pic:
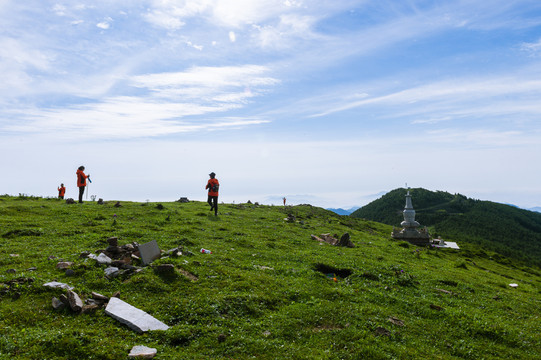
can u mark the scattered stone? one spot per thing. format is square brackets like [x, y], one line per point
[57, 285]
[84, 255]
[396, 321]
[266, 333]
[70, 272]
[98, 296]
[14, 255]
[103, 259]
[381, 331]
[497, 297]
[263, 267]
[112, 272]
[75, 302]
[149, 252]
[183, 200]
[345, 241]
[98, 303]
[514, 285]
[11, 271]
[89, 308]
[436, 307]
[113, 241]
[221, 338]
[100, 201]
[188, 275]
[135, 319]
[64, 299]
[57, 304]
[51, 257]
[445, 291]
[118, 204]
[70, 201]
[64, 265]
[290, 218]
[33, 268]
[165, 269]
[142, 352]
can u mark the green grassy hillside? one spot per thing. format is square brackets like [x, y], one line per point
[268, 290]
[510, 231]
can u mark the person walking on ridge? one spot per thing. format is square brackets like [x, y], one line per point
[61, 191]
[213, 185]
[81, 182]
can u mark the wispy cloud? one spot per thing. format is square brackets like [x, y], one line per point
[167, 105]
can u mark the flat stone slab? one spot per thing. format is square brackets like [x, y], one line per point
[448, 244]
[149, 252]
[135, 319]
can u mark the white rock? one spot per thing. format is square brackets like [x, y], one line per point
[142, 352]
[58, 285]
[103, 259]
[134, 318]
[111, 272]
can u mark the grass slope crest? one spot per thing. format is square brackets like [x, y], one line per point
[268, 290]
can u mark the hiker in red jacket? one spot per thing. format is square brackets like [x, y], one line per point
[81, 181]
[213, 185]
[61, 191]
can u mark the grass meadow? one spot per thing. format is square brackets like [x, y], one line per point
[267, 291]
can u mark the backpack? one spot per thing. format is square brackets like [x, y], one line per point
[215, 187]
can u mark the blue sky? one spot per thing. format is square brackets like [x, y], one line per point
[331, 103]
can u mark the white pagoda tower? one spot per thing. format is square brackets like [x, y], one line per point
[409, 230]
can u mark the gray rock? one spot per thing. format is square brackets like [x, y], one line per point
[64, 265]
[76, 304]
[346, 241]
[57, 285]
[142, 352]
[103, 259]
[57, 304]
[97, 296]
[135, 319]
[149, 252]
[70, 272]
[165, 269]
[112, 272]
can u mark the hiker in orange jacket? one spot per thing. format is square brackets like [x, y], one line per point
[213, 185]
[81, 182]
[61, 191]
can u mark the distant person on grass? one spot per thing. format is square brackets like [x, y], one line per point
[61, 191]
[213, 185]
[81, 182]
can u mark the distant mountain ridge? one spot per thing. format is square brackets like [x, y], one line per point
[341, 211]
[506, 229]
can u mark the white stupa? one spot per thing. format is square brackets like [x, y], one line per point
[409, 230]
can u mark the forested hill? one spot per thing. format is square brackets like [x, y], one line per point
[508, 230]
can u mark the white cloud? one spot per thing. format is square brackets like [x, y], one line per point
[166, 106]
[105, 24]
[533, 49]
[232, 36]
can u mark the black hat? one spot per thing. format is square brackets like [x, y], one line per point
[212, 174]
